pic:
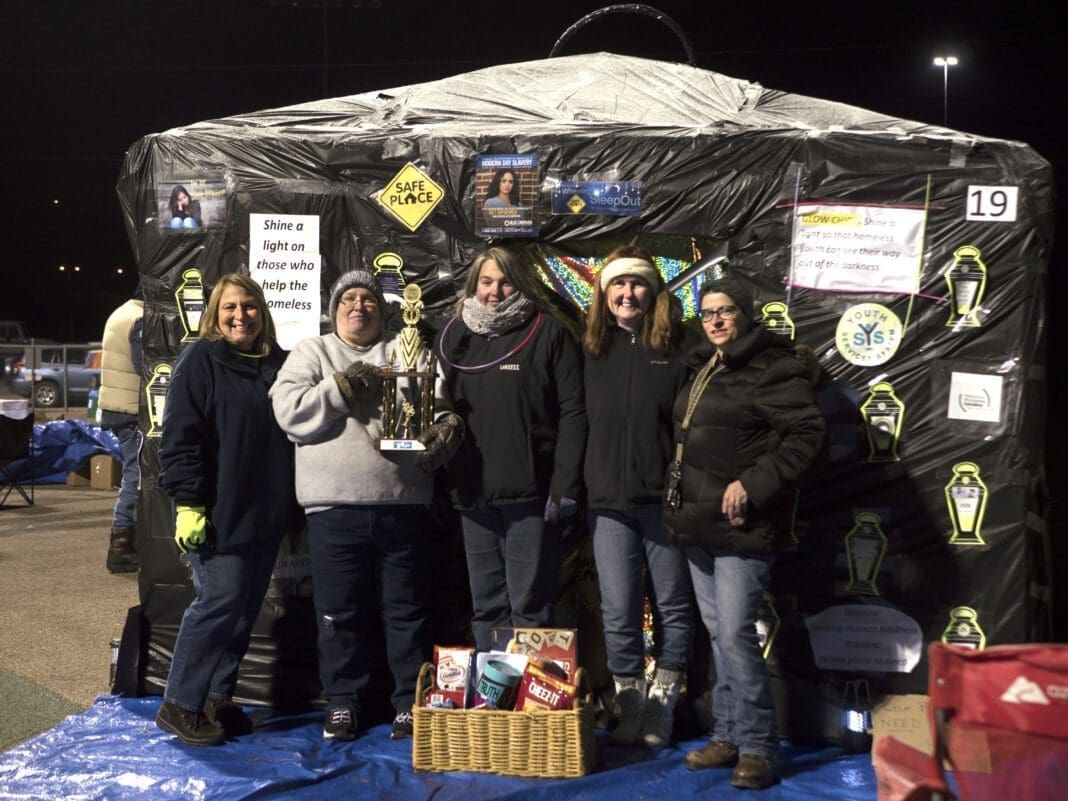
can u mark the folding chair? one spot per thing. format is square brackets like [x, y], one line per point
[16, 440]
[999, 719]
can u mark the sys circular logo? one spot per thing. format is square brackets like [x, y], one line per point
[868, 334]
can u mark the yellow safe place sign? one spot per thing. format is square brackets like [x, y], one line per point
[411, 196]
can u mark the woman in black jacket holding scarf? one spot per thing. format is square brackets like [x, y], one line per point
[747, 425]
[514, 373]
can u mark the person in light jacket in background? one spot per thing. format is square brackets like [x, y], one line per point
[633, 374]
[365, 506]
[229, 469]
[120, 398]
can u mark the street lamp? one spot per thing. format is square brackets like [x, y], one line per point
[945, 62]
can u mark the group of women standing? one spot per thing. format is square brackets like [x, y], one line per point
[525, 428]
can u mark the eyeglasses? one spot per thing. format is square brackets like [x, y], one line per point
[349, 302]
[724, 312]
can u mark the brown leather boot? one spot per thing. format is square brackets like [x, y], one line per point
[714, 755]
[754, 773]
[122, 557]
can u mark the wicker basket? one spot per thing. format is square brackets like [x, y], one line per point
[540, 743]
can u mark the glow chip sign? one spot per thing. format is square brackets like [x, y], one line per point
[411, 196]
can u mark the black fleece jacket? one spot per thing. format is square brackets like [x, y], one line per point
[630, 393]
[525, 414]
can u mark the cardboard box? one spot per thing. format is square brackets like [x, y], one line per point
[104, 472]
[905, 717]
[79, 477]
[557, 645]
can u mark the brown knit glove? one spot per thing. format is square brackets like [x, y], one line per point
[358, 379]
[442, 440]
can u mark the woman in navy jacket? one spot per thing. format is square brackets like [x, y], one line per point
[229, 469]
[633, 373]
[514, 373]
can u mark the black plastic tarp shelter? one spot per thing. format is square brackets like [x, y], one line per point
[913, 259]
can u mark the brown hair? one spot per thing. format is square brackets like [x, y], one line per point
[658, 328]
[522, 279]
[209, 320]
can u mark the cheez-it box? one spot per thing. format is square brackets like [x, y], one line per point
[556, 645]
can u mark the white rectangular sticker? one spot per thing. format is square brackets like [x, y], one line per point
[283, 256]
[992, 203]
[975, 396]
[840, 248]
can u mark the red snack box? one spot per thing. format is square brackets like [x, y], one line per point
[558, 645]
[539, 690]
[452, 675]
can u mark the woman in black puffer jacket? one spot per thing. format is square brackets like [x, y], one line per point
[748, 426]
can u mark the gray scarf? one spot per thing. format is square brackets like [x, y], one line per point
[490, 322]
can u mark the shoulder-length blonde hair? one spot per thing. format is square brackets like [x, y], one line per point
[209, 321]
[658, 328]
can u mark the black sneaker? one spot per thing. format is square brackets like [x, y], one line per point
[340, 724]
[402, 726]
[191, 728]
[229, 715]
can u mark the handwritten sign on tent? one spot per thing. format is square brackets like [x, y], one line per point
[411, 196]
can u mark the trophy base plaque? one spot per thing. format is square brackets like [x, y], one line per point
[401, 445]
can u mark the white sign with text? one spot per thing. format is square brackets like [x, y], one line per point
[843, 248]
[864, 637]
[283, 256]
[975, 396]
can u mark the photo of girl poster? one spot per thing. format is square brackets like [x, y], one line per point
[506, 194]
[191, 205]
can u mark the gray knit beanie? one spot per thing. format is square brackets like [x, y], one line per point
[351, 279]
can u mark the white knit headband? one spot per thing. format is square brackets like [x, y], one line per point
[629, 266]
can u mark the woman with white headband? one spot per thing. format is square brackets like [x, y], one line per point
[633, 374]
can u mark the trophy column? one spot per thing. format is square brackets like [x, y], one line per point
[407, 410]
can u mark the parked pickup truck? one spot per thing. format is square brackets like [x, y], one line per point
[14, 342]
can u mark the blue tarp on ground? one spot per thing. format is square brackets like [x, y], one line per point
[61, 447]
[114, 751]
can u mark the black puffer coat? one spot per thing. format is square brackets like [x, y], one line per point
[757, 422]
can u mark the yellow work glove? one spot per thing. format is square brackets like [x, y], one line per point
[190, 527]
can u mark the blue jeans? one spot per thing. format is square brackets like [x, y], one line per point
[354, 551]
[124, 427]
[622, 542]
[729, 590]
[217, 625]
[513, 564]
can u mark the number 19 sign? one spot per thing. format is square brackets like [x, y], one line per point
[992, 203]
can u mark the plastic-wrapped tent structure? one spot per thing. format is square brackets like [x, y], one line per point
[913, 260]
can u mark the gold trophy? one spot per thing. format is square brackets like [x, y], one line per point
[400, 432]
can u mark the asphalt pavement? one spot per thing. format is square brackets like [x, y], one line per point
[59, 606]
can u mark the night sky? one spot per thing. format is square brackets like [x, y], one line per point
[82, 81]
